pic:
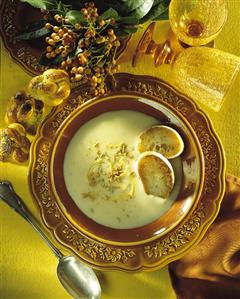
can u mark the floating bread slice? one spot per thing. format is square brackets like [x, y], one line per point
[156, 174]
[162, 139]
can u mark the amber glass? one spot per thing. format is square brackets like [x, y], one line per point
[197, 22]
[205, 74]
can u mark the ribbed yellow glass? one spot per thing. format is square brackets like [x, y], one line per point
[206, 74]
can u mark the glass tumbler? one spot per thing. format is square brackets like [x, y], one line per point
[205, 74]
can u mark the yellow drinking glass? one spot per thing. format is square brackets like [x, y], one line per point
[205, 74]
[197, 22]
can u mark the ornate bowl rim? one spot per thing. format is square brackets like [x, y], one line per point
[156, 253]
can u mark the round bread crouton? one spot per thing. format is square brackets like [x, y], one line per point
[156, 174]
[161, 139]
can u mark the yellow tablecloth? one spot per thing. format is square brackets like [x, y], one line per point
[27, 267]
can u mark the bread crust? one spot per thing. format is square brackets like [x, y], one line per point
[156, 174]
[161, 139]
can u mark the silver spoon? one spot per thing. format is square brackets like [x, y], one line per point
[79, 280]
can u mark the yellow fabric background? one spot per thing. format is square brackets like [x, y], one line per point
[27, 267]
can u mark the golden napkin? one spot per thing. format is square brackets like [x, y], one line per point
[212, 269]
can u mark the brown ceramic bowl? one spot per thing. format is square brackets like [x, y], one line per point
[192, 167]
[157, 243]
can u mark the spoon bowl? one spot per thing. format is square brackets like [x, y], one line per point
[75, 277]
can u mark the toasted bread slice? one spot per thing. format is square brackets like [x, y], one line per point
[162, 139]
[156, 174]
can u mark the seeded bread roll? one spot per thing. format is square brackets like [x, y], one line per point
[52, 87]
[162, 139]
[156, 174]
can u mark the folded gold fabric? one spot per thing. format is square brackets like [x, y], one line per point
[212, 269]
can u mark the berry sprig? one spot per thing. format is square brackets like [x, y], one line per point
[86, 49]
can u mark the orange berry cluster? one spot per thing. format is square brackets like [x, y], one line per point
[86, 50]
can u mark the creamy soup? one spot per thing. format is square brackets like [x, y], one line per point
[100, 171]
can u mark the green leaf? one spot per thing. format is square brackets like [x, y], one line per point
[75, 4]
[43, 60]
[163, 16]
[74, 53]
[57, 60]
[142, 10]
[97, 49]
[78, 50]
[63, 7]
[128, 20]
[130, 5]
[120, 33]
[71, 55]
[130, 30]
[33, 26]
[60, 9]
[42, 4]
[75, 16]
[156, 11]
[109, 14]
[50, 61]
[54, 12]
[104, 5]
[33, 34]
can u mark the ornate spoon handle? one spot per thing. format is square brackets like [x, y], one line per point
[9, 196]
